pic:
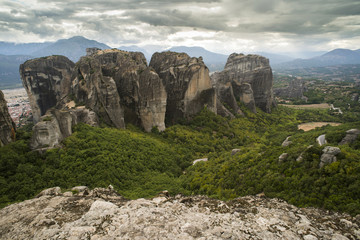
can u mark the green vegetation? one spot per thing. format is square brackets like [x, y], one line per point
[142, 164]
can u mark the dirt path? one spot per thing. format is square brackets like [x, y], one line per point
[312, 125]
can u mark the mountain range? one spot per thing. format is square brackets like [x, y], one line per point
[12, 55]
[335, 57]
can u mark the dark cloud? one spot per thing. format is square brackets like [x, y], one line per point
[134, 21]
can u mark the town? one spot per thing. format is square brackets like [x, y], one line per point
[19, 106]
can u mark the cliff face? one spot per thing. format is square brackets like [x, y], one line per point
[248, 78]
[187, 84]
[103, 214]
[7, 126]
[295, 90]
[47, 81]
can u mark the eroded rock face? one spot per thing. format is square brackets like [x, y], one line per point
[351, 136]
[7, 126]
[56, 125]
[187, 84]
[121, 88]
[252, 70]
[295, 90]
[46, 80]
[329, 155]
[103, 214]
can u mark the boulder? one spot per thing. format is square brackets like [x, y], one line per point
[283, 157]
[56, 125]
[47, 81]
[7, 126]
[200, 160]
[252, 70]
[286, 142]
[329, 155]
[187, 84]
[351, 136]
[235, 151]
[321, 140]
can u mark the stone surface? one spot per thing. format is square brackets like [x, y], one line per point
[200, 160]
[286, 142]
[46, 80]
[7, 126]
[187, 83]
[329, 155]
[235, 151]
[351, 136]
[56, 125]
[252, 70]
[103, 214]
[321, 140]
[295, 90]
[283, 157]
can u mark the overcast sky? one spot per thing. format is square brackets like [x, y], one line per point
[218, 25]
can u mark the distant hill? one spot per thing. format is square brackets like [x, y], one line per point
[73, 48]
[9, 70]
[275, 58]
[15, 54]
[10, 48]
[332, 58]
[214, 61]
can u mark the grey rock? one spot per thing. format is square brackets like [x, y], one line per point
[247, 69]
[351, 136]
[286, 142]
[91, 51]
[47, 82]
[295, 90]
[321, 140]
[55, 191]
[199, 160]
[7, 126]
[80, 189]
[329, 155]
[283, 157]
[187, 84]
[235, 151]
[57, 125]
[103, 214]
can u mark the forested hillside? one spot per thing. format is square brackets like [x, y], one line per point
[140, 164]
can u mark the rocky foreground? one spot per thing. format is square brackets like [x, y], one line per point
[103, 214]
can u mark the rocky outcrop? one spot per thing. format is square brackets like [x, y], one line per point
[286, 142]
[187, 83]
[247, 78]
[295, 90]
[103, 214]
[56, 125]
[46, 80]
[329, 155]
[283, 157]
[7, 126]
[351, 136]
[321, 140]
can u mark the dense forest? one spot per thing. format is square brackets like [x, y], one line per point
[140, 164]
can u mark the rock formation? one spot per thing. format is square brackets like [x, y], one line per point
[246, 78]
[56, 125]
[329, 155]
[295, 90]
[187, 84]
[7, 126]
[46, 80]
[117, 87]
[103, 214]
[351, 136]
